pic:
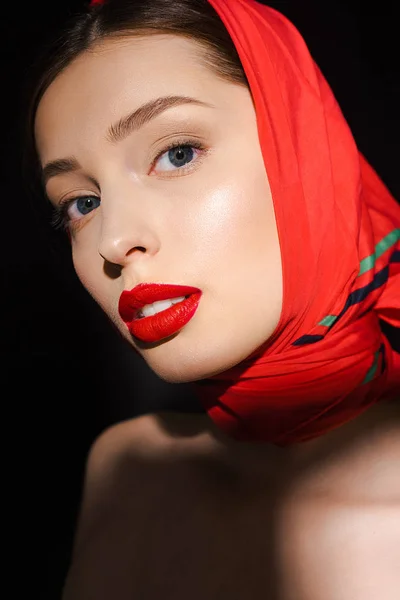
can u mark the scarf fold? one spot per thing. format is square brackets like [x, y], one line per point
[339, 232]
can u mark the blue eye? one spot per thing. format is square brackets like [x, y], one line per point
[73, 209]
[181, 155]
[85, 204]
[178, 156]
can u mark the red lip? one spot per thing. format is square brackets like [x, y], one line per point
[165, 323]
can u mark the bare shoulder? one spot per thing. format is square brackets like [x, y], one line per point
[128, 453]
[154, 434]
[148, 453]
[161, 508]
[341, 552]
[339, 535]
[170, 485]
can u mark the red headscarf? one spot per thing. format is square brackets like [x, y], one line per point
[339, 231]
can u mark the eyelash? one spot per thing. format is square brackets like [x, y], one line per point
[60, 217]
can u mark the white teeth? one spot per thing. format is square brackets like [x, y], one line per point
[152, 309]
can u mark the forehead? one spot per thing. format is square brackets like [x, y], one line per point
[105, 81]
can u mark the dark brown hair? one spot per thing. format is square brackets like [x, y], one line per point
[193, 19]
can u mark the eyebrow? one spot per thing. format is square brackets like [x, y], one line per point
[145, 113]
[58, 167]
[122, 129]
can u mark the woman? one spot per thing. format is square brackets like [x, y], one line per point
[221, 215]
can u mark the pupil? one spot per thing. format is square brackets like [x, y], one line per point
[85, 205]
[180, 155]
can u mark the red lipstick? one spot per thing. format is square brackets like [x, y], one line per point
[166, 322]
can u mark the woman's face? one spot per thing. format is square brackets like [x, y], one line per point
[177, 194]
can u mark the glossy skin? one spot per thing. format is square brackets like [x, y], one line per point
[209, 224]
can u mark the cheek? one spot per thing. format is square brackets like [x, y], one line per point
[233, 219]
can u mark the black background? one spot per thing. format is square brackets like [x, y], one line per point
[67, 376]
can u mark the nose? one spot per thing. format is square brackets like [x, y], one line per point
[126, 232]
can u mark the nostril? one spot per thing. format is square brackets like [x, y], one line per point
[112, 270]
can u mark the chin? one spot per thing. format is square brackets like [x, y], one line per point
[178, 378]
[180, 374]
[189, 369]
